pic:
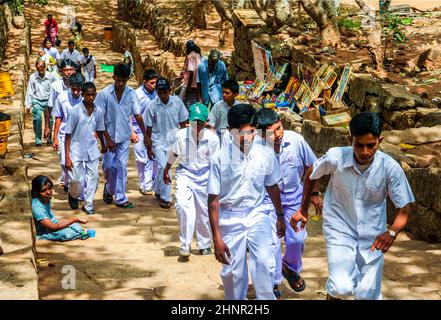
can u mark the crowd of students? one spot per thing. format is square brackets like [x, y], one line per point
[243, 182]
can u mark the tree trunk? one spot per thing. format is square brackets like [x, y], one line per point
[375, 48]
[223, 34]
[330, 36]
[198, 15]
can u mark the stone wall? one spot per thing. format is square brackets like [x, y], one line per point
[5, 25]
[145, 54]
[18, 267]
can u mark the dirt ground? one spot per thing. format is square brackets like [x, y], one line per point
[135, 252]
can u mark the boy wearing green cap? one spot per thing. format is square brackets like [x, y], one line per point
[193, 147]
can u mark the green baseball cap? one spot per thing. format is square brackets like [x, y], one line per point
[198, 111]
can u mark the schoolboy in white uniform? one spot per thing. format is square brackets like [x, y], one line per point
[119, 103]
[67, 68]
[354, 211]
[81, 147]
[88, 63]
[65, 102]
[218, 115]
[240, 176]
[194, 147]
[163, 116]
[146, 167]
[294, 156]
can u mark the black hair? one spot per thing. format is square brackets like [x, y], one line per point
[150, 74]
[68, 63]
[76, 80]
[38, 183]
[266, 117]
[194, 48]
[122, 46]
[70, 42]
[232, 85]
[85, 50]
[241, 114]
[366, 122]
[88, 85]
[122, 70]
[79, 26]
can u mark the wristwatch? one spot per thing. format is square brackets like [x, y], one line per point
[315, 193]
[392, 233]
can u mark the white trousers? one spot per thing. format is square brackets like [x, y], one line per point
[159, 186]
[115, 171]
[89, 77]
[252, 230]
[84, 180]
[350, 275]
[191, 208]
[61, 157]
[147, 168]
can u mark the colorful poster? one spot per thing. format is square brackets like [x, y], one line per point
[259, 61]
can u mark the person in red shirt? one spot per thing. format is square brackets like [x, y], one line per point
[51, 29]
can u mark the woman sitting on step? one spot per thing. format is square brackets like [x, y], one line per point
[47, 226]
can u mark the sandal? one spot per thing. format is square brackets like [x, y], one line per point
[293, 278]
[125, 205]
[164, 204]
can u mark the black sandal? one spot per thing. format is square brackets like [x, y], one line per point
[293, 277]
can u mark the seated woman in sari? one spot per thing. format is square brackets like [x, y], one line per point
[47, 226]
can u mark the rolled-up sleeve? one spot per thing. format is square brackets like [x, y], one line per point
[323, 166]
[399, 188]
[136, 108]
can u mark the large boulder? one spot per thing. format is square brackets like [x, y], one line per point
[413, 136]
[396, 97]
[429, 117]
[430, 59]
[322, 138]
[362, 85]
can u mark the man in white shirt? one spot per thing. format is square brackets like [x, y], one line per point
[354, 211]
[64, 103]
[81, 147]
[128, 59]
[119, 103]
[67, 68]
[89, 66]
[194, 147]
[146, 167]
[241, 173]
[163, 116]
[37, 97]
[218, 115]
[71, 53]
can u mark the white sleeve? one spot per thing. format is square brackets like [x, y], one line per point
[323, 166]
[398, 187]
[214, 178]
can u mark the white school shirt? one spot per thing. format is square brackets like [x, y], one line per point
[53, 52]
[117, 115]
[294, 155]
[194, 157]
[75, 56]
[64, 104]
[38, 87]
[89, 68]
[82, 128]
[57, 87]
[144, 97]
[355, 202]
[241, 180]
[164, 119]
[218, 115]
